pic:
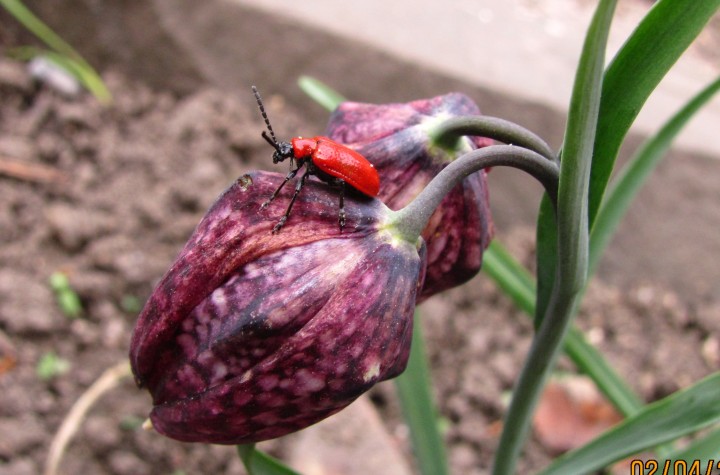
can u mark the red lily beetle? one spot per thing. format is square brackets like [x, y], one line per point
[328, 160]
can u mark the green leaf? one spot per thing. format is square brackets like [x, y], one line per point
[131, 422]
[704, 449]
[546, 236]
[259, 463]
[64, 55]
[632, 177]
[679, 414]
[67, 299]
[651, 50]
[572, 240]
[50, 366]
[415, 393]
[320, 92]
[511, 276]
[38, 28]
[130, 304]
[517, 283]
[84, 73]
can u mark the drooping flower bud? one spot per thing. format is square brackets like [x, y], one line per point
[251, 335]
[398, 139]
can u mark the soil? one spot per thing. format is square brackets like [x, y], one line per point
[126, 187]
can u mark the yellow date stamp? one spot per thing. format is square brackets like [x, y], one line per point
[674, 467]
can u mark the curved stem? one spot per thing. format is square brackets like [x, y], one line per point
[447, 132]
[412, 219]
[571, 251]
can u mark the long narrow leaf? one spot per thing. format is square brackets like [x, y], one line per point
[421, 416]
[511, 276]
[259, 463]
[681, 413]
[518, 284]
[546, 236]
[655, 45]
[572, 239]
[320, 92]
[84, 73]
[63, 54]
[704, 449]
[38, 28]
[631, 178]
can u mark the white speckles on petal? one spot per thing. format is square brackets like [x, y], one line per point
[341, 368]
[357, 349]
[219, 370]
[351, 327]
[372, 372]
[202, 332]
[271, 400]
[307, 382]
[189, 377]
[219, 299]
[246, 376]
[266, 418]
[268, 382]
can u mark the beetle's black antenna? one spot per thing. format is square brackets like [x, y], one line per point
[272, 142]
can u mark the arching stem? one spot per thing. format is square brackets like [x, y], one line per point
[412, 219]
[446, 133]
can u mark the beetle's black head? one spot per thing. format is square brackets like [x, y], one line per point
[283, 150]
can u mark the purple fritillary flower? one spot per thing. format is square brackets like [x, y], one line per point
[396, 138]
[252, 335]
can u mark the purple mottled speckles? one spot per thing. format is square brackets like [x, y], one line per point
[394, 138]
[252, 335]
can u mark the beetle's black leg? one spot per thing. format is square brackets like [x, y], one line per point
[298, 187]
[341, 214]
[289, 177]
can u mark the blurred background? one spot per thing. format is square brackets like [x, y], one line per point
[128, 183]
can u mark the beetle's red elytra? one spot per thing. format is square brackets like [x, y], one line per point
[330, 161]
[339, 161]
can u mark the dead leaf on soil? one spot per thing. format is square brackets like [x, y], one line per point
[572, 412]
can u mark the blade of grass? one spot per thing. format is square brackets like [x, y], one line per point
[518, 284]
[546, 238]
[632, 177]
[681, 413]
[320, 92]
[705, 449]
[642, 62]
[259, 463]
[415, 392]
[84, 73]
[64, 54]
[635, 71]
[38, 28]
[510, 275]
[572, 239]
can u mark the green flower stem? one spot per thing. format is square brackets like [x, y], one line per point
[412, 219]
[449, 131]
[572, 241]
